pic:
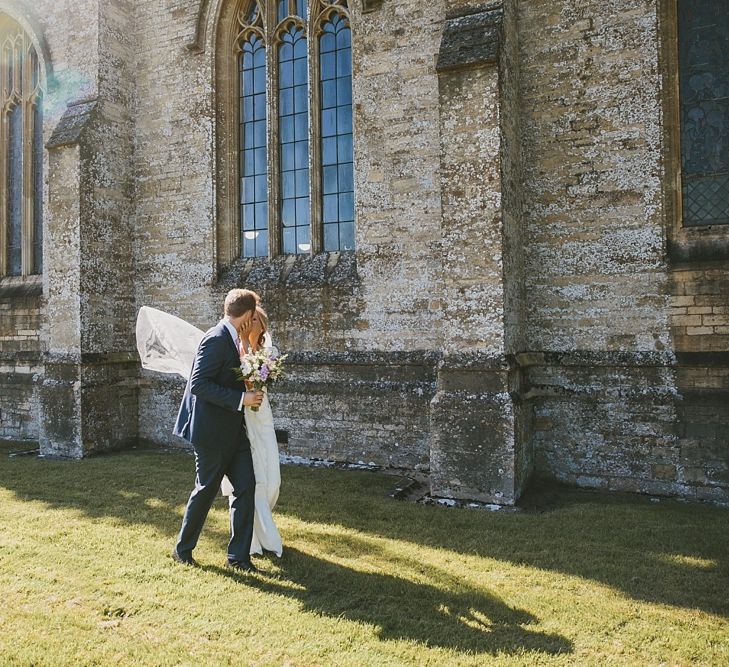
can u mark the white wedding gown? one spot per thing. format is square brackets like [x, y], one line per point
[168, 344]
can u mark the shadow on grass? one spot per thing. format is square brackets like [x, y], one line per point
[670, 553]
[464, 620]
[146, 487]
[152, 488]
[667, 552]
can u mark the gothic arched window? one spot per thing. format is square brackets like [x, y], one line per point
[295, 164]
[21, 153]
[703, 48]
[337, 158]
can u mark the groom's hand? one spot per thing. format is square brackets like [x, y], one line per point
[253, 398]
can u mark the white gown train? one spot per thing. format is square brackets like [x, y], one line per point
[264, 451]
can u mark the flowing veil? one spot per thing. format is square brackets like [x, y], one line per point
[166, 343]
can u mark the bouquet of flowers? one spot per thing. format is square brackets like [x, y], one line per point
[259, 369]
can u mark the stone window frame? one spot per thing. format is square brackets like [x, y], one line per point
[685, 243]
[29, 97]
[230, 33]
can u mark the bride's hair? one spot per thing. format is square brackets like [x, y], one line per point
[263, 317]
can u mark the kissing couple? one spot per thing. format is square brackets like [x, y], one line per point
[228, 423]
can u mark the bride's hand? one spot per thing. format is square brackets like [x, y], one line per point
[244, 330]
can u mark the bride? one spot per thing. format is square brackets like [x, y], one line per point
[168, 344]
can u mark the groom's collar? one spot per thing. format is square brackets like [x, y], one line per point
[231, 329]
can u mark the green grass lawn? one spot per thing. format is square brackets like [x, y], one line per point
[86, 577]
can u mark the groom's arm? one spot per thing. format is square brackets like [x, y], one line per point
[208, 364]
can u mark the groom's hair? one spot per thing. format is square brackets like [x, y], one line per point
[240, 301]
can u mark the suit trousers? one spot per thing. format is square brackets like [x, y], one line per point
[211, 464]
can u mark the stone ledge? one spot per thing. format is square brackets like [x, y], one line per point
[71, 127]
[714, 247]
[91, 358]
[23, 358]
[334, 269]
[363, 358]
[471, 40]
[590, 358]
[12, 287]
[713, 359]
[476, 361]
[710, 396]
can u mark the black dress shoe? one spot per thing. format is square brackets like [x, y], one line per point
[241, 566]
[187, 560]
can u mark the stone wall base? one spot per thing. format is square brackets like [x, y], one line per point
[88, 407]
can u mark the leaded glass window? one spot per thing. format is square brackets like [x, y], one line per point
[21, 153]
[289, 202]
[293, 134]
[337, 156]
[254, 165]
[703, 44]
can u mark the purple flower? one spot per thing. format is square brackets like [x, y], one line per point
[264, 372]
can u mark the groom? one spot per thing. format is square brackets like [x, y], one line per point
[211, 418]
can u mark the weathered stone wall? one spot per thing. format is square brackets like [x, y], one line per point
[476, 446]
[386, 298]
[107, 268]
[87, 387]
[21, 311]
[361, 407]
[69, 70]
[513, 303]
[596, 268]
[596, 276]
[513, 198]
[700, 329]
[700, 306]
[605, 420]
[703, 424]
[609, 314]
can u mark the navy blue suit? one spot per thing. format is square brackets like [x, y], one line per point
[209, 418]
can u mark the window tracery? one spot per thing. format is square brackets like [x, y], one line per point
[21, 154]
[296, 159]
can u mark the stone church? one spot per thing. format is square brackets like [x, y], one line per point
[493, 236]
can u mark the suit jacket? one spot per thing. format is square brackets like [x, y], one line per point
[209, 415]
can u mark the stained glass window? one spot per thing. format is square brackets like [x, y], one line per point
[703, 41]
[254, 162]
[21, 153]
[294, 141]
[337, 161]
[276, 134]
